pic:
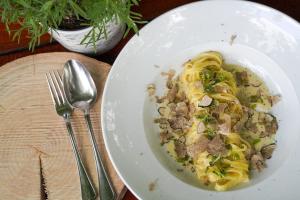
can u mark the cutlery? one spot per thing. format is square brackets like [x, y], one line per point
[64, 109]
[81, 93]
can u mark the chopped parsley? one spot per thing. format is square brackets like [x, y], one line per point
[210, 133]
[253, 106]
[214, 159]
[220, 173]
[256, 99]
[207, 75]
[191, 161]
[183, 160]
[235, 156]
[220, 77]
[255, 141]
[206, 118]
[210, 78]
[209, 88]
[228, 146]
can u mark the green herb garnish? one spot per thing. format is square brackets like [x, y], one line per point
[210, 133]
[220, 77]
[255, 99]
[208, 80]
[235, 156]
[209, 87]
[253, 106]
[191, 161]
[206, 118]
[214, 159]
[220, 173]
[183, 160]
[255, 141]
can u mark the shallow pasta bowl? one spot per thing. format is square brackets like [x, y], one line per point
[248, 34]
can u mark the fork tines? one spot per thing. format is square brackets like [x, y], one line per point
[55, 84]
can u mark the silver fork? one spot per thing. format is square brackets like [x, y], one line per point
[64, 110]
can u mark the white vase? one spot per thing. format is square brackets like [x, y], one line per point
[71, 39]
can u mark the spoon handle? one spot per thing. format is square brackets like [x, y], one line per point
[87, 189]
[107, 191]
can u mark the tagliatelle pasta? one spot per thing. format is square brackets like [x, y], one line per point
[210, 124]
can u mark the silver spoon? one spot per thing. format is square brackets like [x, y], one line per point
[81, 93]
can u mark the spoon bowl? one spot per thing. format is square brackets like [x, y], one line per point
[79, 85]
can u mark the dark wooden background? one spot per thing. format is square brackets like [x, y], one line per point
[10, 50]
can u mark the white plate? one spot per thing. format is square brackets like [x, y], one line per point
[267, 41]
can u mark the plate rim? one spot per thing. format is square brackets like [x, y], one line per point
[124, 49]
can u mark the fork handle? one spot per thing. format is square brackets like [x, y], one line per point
[87, 189]
[107, 191]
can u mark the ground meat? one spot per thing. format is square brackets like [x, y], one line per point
[257, 162]
[172, 93]
[180, 97]
[161, 120]
[169, 84]
[217, 146]
[199, 146]
[180, 148]
[178, 122]
[242, 78]
[151, 89]
[172, 106]
[160, 99]
[270, 124]
[192, 109]
[162, 111]
[219, 109]
[251, 126]
[165, 136]
[181, 109]
[170, 74]
[163, 126]
[239, 126]
[249, 152]
[270, 129]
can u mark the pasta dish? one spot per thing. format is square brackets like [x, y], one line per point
[215, 120]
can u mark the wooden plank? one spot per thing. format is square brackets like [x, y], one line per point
[34, 138]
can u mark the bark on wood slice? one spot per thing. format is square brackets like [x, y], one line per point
[34, 142]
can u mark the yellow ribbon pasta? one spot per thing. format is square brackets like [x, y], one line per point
[204, 75]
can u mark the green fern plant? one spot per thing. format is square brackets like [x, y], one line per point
[41, 16]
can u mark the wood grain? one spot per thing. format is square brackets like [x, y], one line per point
[33, 137]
